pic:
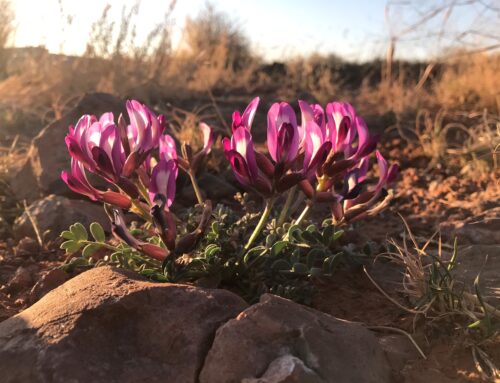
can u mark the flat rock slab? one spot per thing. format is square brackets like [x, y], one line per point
[110, 325]
[281, 339]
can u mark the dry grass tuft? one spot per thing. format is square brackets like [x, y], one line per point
[435, 292]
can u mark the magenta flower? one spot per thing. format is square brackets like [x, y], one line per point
[145, 127]
[143, 135]
[355, 203]
[240, 153]
[77, 181]
[316, 149]
[246, 119]
[340, 119]
[76, 141]
[162, 182]
[387, 174]
[313, 113]
[282, 133]
[208, 137]
[97, 145]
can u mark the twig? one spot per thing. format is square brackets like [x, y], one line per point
[34, 224]
[389, 297]
[14, 144]
[217, 110]
[398, 330]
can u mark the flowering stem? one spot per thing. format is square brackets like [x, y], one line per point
[286, 206]
[196, 188]
[262, 222]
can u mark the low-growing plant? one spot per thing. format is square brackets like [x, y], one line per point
[435, 291]
[468, 141]
[326, 158]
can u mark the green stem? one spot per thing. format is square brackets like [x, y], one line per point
[303, 214]
[102, 244]
[196, 188]
[286, 206]
[262, 222]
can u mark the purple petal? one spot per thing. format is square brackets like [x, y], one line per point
[163, 181]
[242, 143]
[363, 168]
[139, 122]
[382, 168]
[167, 149]
[363, 133]
[392, 173]
[107, 119]
[208, 137]
[369, 146]
[287, 143]
[77, 181]
[313, 141]
[236, 120]
[249, 113]
[319, 117]
[319, 158]
[240, 168]
[272, 131]
[104, 164]
[282, 132]
[226, 144]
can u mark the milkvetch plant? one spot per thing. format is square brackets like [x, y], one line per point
[323, 160]
[140, 166]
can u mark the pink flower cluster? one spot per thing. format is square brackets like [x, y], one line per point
[136, 160]
[327, 155]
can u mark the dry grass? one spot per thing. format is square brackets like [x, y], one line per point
[434, 291]
[465, 140]
[472, 80]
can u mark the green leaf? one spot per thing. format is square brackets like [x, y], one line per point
[97, 232]
[216, 227]
[331, 263]
[79, 231]
[295, 256]
[71, 246]
[270, 240]
[316, 272]
[311, 228]
[66, 234]
[257, 250]
[338, 234]
[300, 268]
[308, 237]
[74, 263]
[136, 232]
[295, 233]
[90, 249]
[211, 250]
[281, 265]
[278, 247]
[328, 235]
[313, 256]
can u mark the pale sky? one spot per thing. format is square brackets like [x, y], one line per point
[354, 29]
